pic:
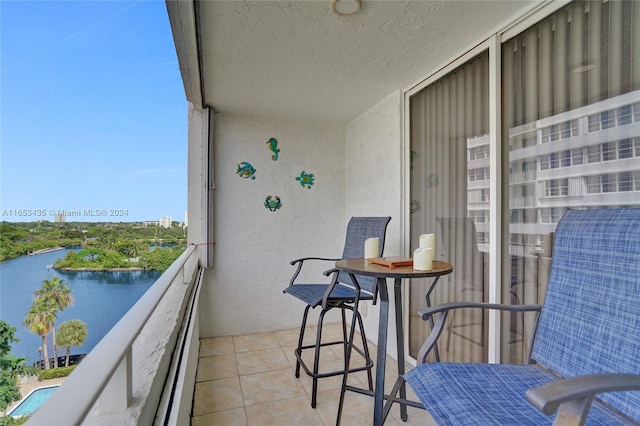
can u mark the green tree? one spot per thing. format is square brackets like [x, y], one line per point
[71, 333]
[127, 248]
[38, 320]
[7, 336]
[10, 367]
[56, 295]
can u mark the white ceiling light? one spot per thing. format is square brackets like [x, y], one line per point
[345, 7]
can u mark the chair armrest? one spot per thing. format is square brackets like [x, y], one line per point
[446, 307]
[300, 262]
[575, 394]
[302, 259]
[442, 311]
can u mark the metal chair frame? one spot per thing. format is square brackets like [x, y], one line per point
[347, 297]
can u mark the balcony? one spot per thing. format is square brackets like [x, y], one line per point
[152, 368]
[331, 91]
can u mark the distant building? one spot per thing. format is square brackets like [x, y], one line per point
[583, 158]
[186, 219]
[165, 221]
[60, 218]
[151, 223]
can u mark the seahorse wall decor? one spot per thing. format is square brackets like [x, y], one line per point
[273, 146]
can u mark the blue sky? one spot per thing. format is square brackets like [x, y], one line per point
[93, 115]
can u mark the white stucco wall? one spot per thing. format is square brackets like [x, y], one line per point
[374, 185]
[243, 291]
[358, 173]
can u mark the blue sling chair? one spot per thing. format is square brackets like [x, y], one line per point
[340, 293]
[586, 341]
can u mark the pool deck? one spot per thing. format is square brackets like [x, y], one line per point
[30, 383]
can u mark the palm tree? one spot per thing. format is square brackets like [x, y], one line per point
[71, 333]
[38, 321]
[56, 294]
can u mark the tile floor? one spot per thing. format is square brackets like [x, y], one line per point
[249, 380]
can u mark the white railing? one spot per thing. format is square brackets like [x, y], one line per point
[122, 379]
[519, 202]
[523, 177]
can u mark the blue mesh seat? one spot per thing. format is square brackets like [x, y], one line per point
[585, 356]
[340, 293]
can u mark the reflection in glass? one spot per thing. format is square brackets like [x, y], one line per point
[571, 128]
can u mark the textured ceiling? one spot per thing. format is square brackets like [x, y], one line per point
[297, 60]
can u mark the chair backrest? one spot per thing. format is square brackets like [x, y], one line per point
[590, 320]
[358, 230]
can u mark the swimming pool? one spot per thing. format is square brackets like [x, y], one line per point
[33, 401]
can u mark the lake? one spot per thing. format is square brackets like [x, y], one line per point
[101, 299]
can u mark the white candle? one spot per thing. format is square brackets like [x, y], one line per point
[428, 241]
[371, 248]
[423, 259]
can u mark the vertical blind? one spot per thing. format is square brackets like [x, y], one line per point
[444, 116]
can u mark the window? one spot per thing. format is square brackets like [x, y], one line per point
[609, 183]
[556, 188]
[479, 152]
[625, 182]
[594, 154]
[593, 185]
[566, 158]
[625, 149]
[552, 215]
[589, 113]
[609, 151]
[481, 173]
[560, 131]
[577, 156]
[614, 118]
[612, 182]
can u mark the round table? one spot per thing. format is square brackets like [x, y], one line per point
[381, 273]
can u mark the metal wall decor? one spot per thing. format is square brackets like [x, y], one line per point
[273, 146]
[272, 202]
[246, 170]
[306, 179]
[432, 180]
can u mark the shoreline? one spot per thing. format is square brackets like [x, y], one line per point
[46, 250]
[133, 269]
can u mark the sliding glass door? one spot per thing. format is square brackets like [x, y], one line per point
[568, 118]
[571, 138]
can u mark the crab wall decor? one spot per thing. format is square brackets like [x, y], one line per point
[306, 179]
[272, 202]
[273, 146]
[432, 180]
[246, 170]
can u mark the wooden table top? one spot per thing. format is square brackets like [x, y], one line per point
[362, 267]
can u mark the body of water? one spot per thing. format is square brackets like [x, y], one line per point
[101, 299]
